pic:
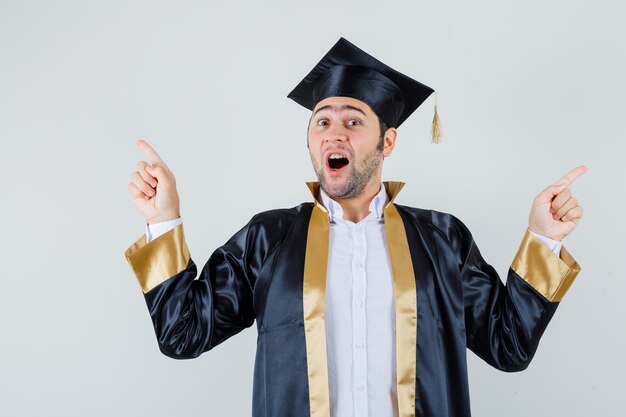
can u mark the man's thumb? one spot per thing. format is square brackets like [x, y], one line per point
[160, 174]
[548, 194]
[150, 170]
[557, 188]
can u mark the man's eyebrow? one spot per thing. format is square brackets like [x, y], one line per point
[342, 108]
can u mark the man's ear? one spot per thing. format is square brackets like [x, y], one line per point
[389, 141]
[307, 131]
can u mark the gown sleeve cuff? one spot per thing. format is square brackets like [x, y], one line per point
[162, 258]
[549, 274]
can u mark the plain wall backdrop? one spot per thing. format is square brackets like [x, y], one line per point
[526, 91]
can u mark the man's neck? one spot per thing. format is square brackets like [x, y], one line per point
[357, 208]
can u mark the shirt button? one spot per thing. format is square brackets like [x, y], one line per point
[359, 303]
[359, 264]
[360, 387]
[359, 345]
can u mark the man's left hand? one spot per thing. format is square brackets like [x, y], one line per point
[556, 212]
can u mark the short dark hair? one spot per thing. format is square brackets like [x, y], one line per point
[383, 128]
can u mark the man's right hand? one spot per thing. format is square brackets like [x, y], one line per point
[153, 187]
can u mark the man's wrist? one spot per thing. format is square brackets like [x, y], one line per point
[164, 218]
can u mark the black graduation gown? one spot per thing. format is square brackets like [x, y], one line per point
[273, 271]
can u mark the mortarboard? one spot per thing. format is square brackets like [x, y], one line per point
[348, 71]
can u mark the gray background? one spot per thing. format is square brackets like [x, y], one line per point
[527, 90]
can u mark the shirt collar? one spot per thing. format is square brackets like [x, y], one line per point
[377, 205]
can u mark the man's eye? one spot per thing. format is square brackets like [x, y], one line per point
[322, 122]
[353, 122]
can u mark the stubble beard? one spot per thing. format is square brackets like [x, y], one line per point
[357, 179]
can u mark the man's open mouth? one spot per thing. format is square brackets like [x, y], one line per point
[337, 161]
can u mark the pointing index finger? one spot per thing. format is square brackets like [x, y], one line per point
[152, 155]
[571, 176]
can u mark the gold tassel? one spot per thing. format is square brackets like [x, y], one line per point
[436, 133]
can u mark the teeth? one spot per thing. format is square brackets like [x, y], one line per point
[336, 156]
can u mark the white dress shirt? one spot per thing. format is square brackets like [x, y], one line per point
[360, 314]
[360, 311]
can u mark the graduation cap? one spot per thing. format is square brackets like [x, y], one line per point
[348, 71]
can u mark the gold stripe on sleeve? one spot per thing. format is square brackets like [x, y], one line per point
[405, 297]
[162, 258]
[549, 274]
[314, 305]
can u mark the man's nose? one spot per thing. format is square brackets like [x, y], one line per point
[337, 132]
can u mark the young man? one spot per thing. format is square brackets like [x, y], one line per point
[363, 307]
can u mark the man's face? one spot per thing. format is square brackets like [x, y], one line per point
[344, 143]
